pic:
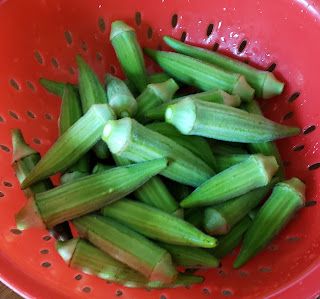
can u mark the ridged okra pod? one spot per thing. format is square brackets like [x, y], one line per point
[227, 148]
[72, 145]
[129, 139]
[239, 179]
[129, 53]
[194, 117]
[200, 74]
[55, 87]
[128, 247]
[286, 198]
[158, 78]
[99, 168]
[157, 224]
[120, 97]
[86, 194]
[225, 161]
[154, 95]
[265, 83]
[80, 254]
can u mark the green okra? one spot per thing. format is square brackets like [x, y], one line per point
[195, 144]
[71, 112]
[154, 95]
[225, 161]
[253, 213]
[80, 254]
[55, 87]
[239, 179]
[264, 148]
[194, 117]
[129, 139]
[287, 197]
[215, 96]
[24, 160]
[220, 218]
[154, 192]
[91, 93]
[190, 257]
[135, 92]
[151, 222]
[129, 53]
[86, 194]
[158, 78]
[99, 168]
[227, 148]
[194, 216]
[265, 83]
[72, 145]
[230, 241]
[202, 75]
[120, 97]
[128, 247]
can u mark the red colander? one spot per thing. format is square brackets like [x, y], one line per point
[40, 38]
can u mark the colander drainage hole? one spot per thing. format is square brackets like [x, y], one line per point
[215, 47]
[13, 114]
[44, 251]
[31, 115]
[30, 85]
[183, 36]
[99, 57]
[46, 238]
[68, 37]
[48, 116]
[86, 290]
[16, 231]
[138, 18]
[298, 148]
[149, 33]
[78, 277]
[36, 141]
[243, 273]
[14, 84]
[242, 46]
[206, 291]
[209, 29]
[118, 293]
[271, 67]
[265, 269]
[4, 148]
[113, 69]
[310, 203]
[7, 184]
[72, 71]
[294, 96]
[101, 24]
[46, 265]
[38, 57]
[309, 129]
[1, 194]
[314, 166]
[174, 21]
[1, 119]
[288, 115]
[163, 297]
[84, 46]
[227, 293]
[55, 62]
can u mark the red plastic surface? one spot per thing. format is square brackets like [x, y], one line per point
[39, 38]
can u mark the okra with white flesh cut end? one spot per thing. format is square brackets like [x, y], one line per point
[129, 53]
[81, 255]
[92, 92]
[225, 161]
[128, 247]
[154, 95]
[194, 216]
[200, 74]
[227, 148]
[55, 87]
[99, 167]
[120, 97]
[154, 192]
[129, 139]
[287, 197]
[72, 145]
[195, 117]
[71, 112]
[195, 144]
[215, 96]
[86, 195]
[237, 180]
[158, 78]
[230, 241]
[265, 83]
[24, 160]
[264, 148]
[151, 222]
[220, 218]
[190, 257]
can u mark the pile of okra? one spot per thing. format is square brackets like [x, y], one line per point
[160, 172]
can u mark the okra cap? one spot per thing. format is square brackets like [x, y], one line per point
[119, 27]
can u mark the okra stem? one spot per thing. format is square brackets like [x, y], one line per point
[239, 179]
[265, 83]
[194, 117]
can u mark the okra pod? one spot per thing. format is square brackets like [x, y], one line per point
[200, 74]
[129, 53]
[194, 117]
[120, 97]
[225, 161]
[55, 87]
[219, 219]
[195, 217]
[24, 160]
[135, 92]
[72, 145]
[91, 93]
[215, 96]
[158, 78]
[82, 255]
[99, 167]
[128, 247]
[230, 241]
[195, 144]
[239, 179]
[86, 195]
[190, 257]
[154, 95]
[264, 148]
[265, 83]
[129, 139]
[287, 197]
[151, 222]
[154, 192]
[227, 148]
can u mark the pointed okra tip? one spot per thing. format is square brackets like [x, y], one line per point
[151, 53]
[66, 249]
[20, 149]
[118, 27]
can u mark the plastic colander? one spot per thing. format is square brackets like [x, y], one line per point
[40, 38]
